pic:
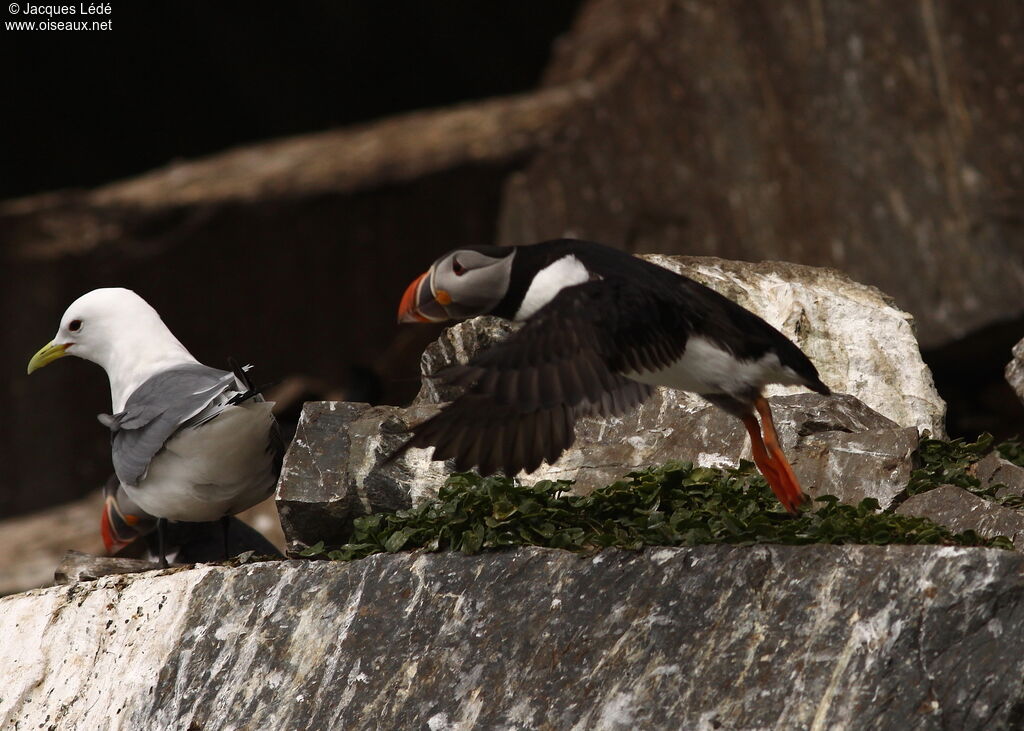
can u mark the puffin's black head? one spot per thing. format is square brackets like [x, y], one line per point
[462, 283]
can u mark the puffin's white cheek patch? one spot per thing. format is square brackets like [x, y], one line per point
[549, 281]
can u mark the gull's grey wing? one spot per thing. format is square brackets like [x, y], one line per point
[165, 402]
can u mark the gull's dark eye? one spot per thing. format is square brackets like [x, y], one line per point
[458, 268]
[75, 325]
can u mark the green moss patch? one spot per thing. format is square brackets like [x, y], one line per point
[673, 505]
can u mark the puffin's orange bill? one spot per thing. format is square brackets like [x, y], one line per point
[419, 303]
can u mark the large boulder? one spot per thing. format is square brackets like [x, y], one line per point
[875, 137]
[854, 637]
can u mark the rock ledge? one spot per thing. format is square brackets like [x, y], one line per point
[714, 636]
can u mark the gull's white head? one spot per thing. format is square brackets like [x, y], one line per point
[120, 331]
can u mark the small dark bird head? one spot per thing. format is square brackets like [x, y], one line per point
[462, 283]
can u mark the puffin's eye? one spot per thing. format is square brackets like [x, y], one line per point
[457, 268]
[75, 325]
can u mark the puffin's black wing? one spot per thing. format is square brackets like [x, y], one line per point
[575, 348]
[524, 394]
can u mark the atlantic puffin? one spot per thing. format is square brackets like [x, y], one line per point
[600, 329]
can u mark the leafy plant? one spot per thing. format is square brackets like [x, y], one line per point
[673, 505]
[949, 463]
[1012, 451]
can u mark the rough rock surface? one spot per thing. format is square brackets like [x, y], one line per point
[813, 637]
[994, 470]
[860, 342]
[333, 470]
[959, 510]
[1015, 370]
[872, 137]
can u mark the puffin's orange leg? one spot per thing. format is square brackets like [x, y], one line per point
[788, 489]
[761, 457]
[768, 466]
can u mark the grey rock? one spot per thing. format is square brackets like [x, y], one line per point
[875, 464]
[1015, 370]
[333, 471]
[780, 130]
[851, 637]
[959, 510]
[457, 345]
[994, 470]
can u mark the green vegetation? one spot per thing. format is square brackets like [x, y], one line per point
[950, 463]
[673, 505]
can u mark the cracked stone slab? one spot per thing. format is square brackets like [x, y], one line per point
[994, 470]
[332, 472]
[851, 637]
[959, 510]
[854, 466]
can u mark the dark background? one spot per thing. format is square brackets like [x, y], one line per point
[182, 79]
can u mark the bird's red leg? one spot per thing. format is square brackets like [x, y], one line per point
[761, 458]
[765, 463]
[788, 488]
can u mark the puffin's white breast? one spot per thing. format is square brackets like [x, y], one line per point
[706, 368]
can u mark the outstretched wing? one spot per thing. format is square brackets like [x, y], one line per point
[525, 394]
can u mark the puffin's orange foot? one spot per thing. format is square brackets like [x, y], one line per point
[773, 464]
